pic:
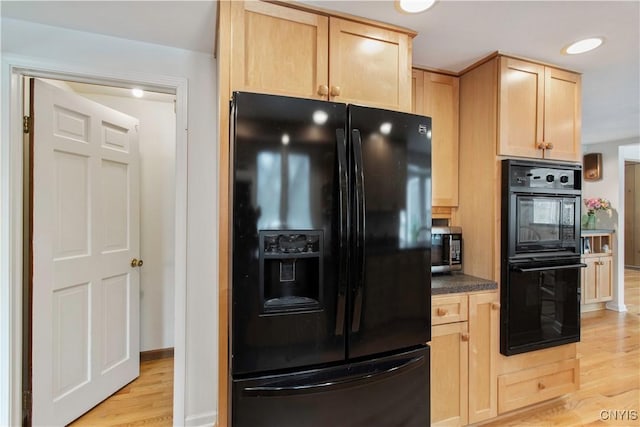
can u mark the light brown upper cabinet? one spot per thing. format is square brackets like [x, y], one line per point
[286, 51]
[437, 96]
[540, 114]
[369, 65]
[279, 50]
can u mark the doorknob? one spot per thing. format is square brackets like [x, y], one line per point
[136, 263]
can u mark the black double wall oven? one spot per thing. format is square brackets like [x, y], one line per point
[541, 267]
[331, 284]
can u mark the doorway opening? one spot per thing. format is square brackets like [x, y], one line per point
[632, 214]
[172, 308]
[632, 235]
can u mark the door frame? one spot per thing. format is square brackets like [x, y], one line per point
[626, 152]
[12, 212]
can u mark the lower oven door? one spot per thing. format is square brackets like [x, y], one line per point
[540, 304]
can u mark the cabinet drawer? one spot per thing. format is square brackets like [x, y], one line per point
[448, 309]
[534, 385]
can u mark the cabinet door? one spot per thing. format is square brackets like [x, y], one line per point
[562, 115]
[604, 279]
[449, 369]
[441, 98]
[279, 50]
[484, 315]
[589, 281]
[521, 98]
[369, 65]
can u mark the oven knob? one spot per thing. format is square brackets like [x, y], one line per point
[550, 178]
[564, 179]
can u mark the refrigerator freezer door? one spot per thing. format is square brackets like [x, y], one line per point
[289, 218]
[391, 231]
[389, 391]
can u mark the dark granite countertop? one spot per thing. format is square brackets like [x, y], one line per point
[459, 282]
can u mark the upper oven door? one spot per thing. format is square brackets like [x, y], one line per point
[544, 223]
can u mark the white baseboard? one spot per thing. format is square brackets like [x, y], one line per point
[616, 307]
[207, 419]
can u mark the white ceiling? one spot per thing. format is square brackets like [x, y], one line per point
[452, 35]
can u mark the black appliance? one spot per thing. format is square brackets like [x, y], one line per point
[446, 249]
[540, 295]
[331, 285]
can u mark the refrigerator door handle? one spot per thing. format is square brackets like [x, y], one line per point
[344, 232]
[360, 228]
[302, 386]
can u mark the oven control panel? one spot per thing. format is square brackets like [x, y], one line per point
[544, 177]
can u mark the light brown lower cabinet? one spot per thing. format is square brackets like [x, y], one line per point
[529, 378]
[529, 386]
[449, 372]
[484, 330]
[463, 357]
[597, 282]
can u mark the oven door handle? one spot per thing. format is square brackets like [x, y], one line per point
[555, 267]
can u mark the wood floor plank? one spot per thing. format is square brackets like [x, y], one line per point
[146, 401]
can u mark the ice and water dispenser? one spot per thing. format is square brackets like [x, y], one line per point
[291, 273]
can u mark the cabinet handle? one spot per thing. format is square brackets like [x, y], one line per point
[323, 90]
[464, 337]
[441, 311]
[495, 306]
[540, 145]
[548, 146]
[335, 90]
[541, 386]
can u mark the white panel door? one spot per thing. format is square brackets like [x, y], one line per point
[85, 234]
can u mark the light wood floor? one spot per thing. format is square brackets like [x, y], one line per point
[610, 379]
[146, 401]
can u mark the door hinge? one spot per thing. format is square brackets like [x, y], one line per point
[26, 401]
[26, 124]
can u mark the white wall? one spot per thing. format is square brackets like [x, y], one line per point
[611, 187]
[86, 52]
[157, 142]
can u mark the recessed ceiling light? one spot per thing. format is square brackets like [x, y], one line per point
[414, 6]
[582, 46]
[138, 93]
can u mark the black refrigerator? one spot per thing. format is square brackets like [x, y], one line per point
[331, 264]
